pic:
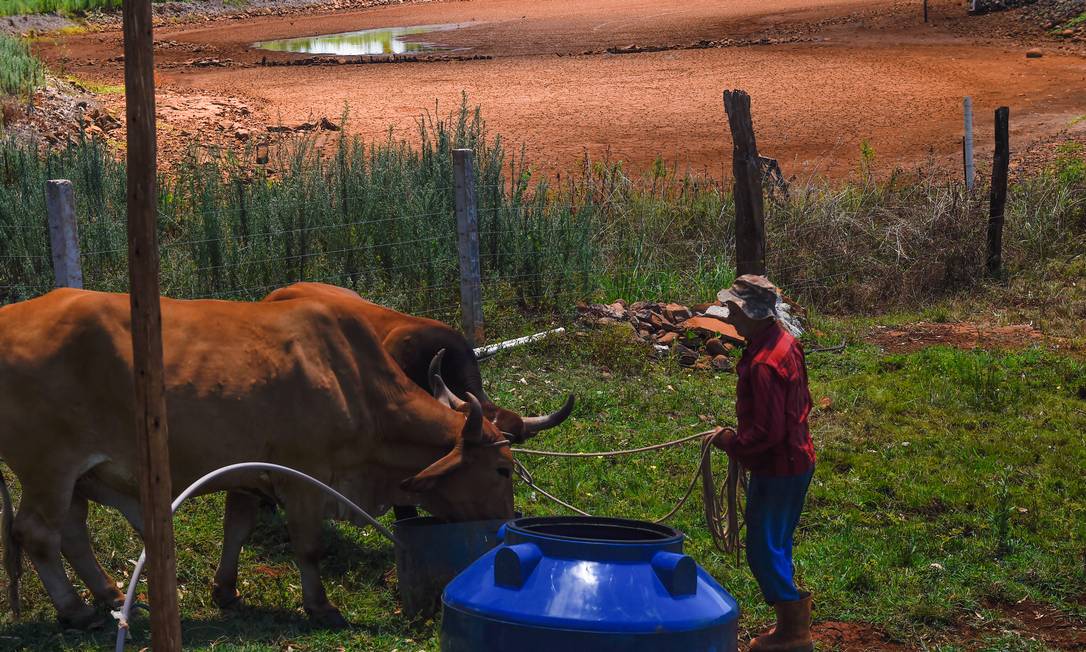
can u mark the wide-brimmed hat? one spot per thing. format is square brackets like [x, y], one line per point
[753, 294]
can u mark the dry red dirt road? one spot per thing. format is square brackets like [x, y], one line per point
[853, 70]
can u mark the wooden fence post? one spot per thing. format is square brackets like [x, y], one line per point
[63, 233]
[967, 144]
[747, 170]
[1000, 165]
[467, 230]
[152, 443]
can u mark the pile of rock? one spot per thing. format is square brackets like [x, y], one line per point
[1059, 18]
[61, 112]
[696, 341]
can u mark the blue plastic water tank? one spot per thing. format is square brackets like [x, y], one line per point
[565, 584]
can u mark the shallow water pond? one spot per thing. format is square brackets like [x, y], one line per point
[387, 40]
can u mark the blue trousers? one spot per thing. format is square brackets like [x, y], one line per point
[773, 508]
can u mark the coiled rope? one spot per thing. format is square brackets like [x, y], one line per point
[721, 505]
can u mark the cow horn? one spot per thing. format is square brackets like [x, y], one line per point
[535, 424]
[473, 427]
[438, 387]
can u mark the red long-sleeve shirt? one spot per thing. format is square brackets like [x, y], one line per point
[772, 404]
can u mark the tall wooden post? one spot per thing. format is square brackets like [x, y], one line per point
[63, 233]
[1000, 166]
[747, 170]
[467, 230]
[967, 143]
[153, 455]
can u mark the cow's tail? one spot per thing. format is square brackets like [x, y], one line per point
[13, 553]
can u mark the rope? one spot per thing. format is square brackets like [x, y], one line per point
[721, 506]
[629, 451]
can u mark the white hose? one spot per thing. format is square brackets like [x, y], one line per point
[122, 617]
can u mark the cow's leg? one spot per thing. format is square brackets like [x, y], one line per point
[304, 517]
[76, 545]
[38, 527]
[238, 523]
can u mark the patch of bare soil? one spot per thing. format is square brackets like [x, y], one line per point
[1042, 623]
[847, 637]
[961, 335]
[847, 71]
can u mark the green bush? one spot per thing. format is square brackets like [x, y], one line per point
[379, 217]
[20, 71]
[16, 7]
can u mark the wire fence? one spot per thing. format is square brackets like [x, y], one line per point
[380, 218]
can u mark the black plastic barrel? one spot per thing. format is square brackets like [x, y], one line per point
[434, 552]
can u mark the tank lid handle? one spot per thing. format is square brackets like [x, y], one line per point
[678, 573]
[513, 564]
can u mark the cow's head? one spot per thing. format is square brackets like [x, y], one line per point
[474, 481]
[516, 428]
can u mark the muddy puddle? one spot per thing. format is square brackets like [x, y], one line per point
[373, 42]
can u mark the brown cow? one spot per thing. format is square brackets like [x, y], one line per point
[300, 382]
[415, 343]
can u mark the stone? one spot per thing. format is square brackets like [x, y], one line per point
[716, 346]
[667, 338]
[711, 327]
[687, 357]
[722, 363]
[1034, 53]
[676, 312]
[618, 309]
[242, 134]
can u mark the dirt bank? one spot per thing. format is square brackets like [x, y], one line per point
[834, 74]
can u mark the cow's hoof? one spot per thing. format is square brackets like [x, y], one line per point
[327, 617]
[84, 618]
[226, 598]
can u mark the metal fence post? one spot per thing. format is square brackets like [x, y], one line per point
[747, 170]
[1000, 165]
[967, 144]
[63, 233]
[467, 230]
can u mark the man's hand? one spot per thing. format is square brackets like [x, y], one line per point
[722, 436]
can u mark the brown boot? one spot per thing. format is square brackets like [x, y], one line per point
[793, 630]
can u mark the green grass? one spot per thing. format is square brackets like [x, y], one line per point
[968, 460]
[17, 7]
[21, 73]
[1076, 21]
[97, 88]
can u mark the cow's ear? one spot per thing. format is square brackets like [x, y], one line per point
[426, 479]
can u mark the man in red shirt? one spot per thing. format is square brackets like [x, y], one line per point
[773, 442]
